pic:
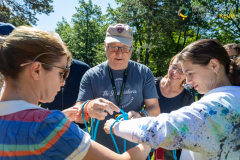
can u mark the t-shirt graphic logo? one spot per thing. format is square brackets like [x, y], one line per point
[120, 29]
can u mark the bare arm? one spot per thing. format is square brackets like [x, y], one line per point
[152, 108]
[97, 151]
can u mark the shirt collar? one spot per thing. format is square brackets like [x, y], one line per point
[224, 89]
[9, 107]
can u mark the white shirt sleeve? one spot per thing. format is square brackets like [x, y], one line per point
[186, 128]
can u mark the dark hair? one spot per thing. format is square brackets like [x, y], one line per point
[202, 51]
[24, 44]
[233, 46]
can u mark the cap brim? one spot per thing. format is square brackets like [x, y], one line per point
[126, 41]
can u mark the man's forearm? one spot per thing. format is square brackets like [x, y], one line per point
[153, 110]
[152, 107]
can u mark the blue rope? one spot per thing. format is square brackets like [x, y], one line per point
[92, 128]
[123, 116]
[93, 136]
[119, 118]
[144, 112]
[95, 132]
[175, 154]
[113, 137]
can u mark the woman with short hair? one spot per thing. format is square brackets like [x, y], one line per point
[207, 129]
[35, 64]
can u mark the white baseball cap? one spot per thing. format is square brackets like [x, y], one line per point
[119, 33]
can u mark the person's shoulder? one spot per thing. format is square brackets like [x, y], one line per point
[187, 92]
[79, 63]
[136, 64]
[97, 70]
[64, 134]
[158, 79]
[99, 67]
[33, 115]
[222, 96]
[48, 114]
[139, 66]
[224, 91]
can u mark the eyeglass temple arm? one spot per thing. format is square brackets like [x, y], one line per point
[24, 64]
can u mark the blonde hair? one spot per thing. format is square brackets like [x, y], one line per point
[26, 43]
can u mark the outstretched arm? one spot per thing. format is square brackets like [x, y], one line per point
[188, 128]
[97, 151]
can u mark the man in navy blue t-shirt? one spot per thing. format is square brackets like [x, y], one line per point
[118, 82]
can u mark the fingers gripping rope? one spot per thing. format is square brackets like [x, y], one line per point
[123, 116]
[93, 134]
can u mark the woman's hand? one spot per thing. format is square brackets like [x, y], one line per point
[71, 113]
[108, 124]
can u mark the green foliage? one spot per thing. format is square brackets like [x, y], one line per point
[20, 12]
[159, 32]
[85, 38]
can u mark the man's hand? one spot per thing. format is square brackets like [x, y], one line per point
[133, 114]
[98, 108]
[108, 124]
[71, 113]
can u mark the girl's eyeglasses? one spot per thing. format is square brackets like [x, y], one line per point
[174, 67]
[64, 74]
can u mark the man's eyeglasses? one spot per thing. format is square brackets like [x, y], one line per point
[233, 57]
[64, 74]
[175, 68]
[123, 49]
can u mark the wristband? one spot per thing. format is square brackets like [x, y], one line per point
[143, 113]
[85, 110]
[85, 114]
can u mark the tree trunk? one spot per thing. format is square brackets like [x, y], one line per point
[184, 37]
[138, 34]
[178, 40]
[147, 49]
[237, 6]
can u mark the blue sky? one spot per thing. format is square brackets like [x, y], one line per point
[66, 8]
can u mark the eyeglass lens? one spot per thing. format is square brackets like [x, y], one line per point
[65, 74]
[174, 67]
[115, 49]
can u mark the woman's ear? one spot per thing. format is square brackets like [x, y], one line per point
[36, 70]
[215, 65]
